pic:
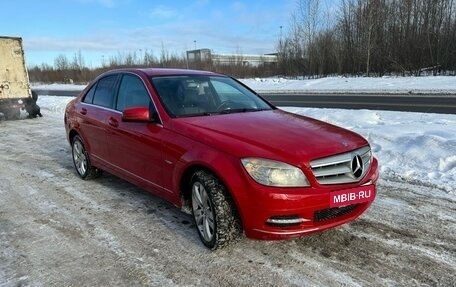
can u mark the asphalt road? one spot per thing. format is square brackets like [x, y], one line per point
[444, 104]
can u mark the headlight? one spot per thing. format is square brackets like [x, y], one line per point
[274, 173]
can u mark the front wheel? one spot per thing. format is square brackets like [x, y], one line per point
[213, 211]
[81, 160]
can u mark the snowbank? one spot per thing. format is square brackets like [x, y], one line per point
[412, 146]
[58, 87]
[385, 85]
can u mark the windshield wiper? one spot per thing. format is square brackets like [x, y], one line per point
[197, 115]
[240, 110]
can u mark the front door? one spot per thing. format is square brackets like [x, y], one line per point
[135, 148]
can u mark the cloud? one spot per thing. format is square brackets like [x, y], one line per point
[238, 6]
[105, 3]
[161, 11]
[90, 43]
[175, 37]
[253, 31]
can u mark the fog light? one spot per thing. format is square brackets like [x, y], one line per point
[287, 220]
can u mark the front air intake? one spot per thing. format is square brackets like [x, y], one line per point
[331, 213]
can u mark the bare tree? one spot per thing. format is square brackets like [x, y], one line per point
[373, 37]
[61, 62]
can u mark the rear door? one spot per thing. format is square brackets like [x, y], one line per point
[93, 112]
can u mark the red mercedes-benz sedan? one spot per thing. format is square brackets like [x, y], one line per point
[212, 146]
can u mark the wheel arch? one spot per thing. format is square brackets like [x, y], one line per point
[72, 134]
[185, 187]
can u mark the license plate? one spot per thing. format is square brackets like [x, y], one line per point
[352, 196]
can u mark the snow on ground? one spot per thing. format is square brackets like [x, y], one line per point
[59, 230]
[56, 229]
[58, 87]
[413, 146]
[385, 85]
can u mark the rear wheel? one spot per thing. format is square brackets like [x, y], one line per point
[213, 211]
[81, 160]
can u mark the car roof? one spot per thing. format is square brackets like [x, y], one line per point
[165, 71]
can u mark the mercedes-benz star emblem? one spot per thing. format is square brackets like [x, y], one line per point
[357, 166]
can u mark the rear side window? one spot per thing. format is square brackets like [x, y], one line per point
[88, 98]
[104, 93]
[132, 93]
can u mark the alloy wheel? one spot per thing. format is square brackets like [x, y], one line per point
[80, 158]
[203, 212]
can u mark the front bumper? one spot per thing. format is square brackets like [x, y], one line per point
[299, 211]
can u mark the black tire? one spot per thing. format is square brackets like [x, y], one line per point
[81, 160]
[215, 216]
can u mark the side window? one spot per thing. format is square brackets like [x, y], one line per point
[104, 94]
[132, 93]
[88, 98]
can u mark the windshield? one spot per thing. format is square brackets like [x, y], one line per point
[195, 95]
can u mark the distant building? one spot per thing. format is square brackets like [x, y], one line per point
[227, 59]
[199, 55]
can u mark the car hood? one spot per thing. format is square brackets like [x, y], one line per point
[273, 134]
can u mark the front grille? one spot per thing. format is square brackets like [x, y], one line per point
[338, 169]
[331, 213]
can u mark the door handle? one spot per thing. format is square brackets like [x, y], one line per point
[113, 122]
[84, 111]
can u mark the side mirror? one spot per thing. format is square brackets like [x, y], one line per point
[136, 114]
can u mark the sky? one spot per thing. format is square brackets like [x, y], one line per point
[100, 29]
